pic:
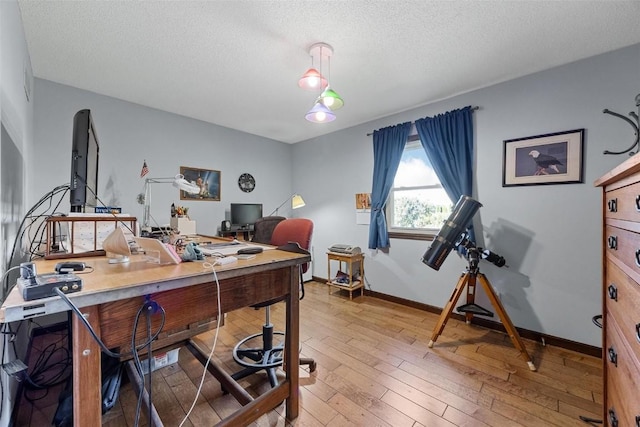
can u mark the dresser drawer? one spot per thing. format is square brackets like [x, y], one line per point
[624, 245]
[622, 301]
[623, 203]
[623, 380]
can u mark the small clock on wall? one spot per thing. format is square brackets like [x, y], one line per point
[246, 182]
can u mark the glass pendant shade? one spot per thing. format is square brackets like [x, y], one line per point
[331, 99]
[320, 114]
[312, 80]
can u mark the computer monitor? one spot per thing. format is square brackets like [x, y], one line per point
[245, 214]
[85, 152]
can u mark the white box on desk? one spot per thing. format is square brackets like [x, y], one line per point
[184, 225]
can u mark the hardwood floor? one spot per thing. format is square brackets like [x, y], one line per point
[375, 369]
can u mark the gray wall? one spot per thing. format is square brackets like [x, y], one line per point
[129, 134]
[549, 234]
[16, 140]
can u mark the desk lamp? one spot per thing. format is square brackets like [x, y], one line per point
[178, 181]
[296, 202]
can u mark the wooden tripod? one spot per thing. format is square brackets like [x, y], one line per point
[468, 280]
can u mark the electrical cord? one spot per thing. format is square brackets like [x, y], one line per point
[591, 421]
[3, 329]
[103, 347]
[215, 340]
[151, 307]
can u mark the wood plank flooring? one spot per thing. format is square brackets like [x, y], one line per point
[375, 369]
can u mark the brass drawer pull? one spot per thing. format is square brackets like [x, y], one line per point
[613, 418]
[613, 356]
[613, 204]
[613, 291]
[612, 242]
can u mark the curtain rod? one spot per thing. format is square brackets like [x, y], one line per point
[472, 110]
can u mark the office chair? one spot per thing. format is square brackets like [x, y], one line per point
[263, 228]
[293, 235]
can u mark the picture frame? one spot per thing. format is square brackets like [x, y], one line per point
[207, 179]
[553, 158]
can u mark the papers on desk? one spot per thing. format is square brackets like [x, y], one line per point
[228, 248]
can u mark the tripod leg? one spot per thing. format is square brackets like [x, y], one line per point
[471, 292]
[506, 321]
[446, 311]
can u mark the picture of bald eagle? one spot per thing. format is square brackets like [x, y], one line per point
[545, 164]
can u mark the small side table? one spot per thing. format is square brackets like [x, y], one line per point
[351, 285]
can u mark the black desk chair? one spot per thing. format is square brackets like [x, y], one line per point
[258, 352]
[263, 228]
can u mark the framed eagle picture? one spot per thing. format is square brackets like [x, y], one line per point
[554, 158]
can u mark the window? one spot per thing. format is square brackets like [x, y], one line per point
[417, 205]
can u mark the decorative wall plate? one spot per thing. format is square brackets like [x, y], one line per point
[246, 182]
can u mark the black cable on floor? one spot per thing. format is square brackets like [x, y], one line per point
[591, 421]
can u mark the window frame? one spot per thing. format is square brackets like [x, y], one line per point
[408, 234]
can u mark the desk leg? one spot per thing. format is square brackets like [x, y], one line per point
[292, 344]
[87, 379]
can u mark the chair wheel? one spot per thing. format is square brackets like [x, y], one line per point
[312, 367]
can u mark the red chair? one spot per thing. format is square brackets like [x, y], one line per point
[258, 352]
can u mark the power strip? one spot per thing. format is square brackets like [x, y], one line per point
[14, 367]
[226, 260]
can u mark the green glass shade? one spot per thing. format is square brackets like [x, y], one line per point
[331, 99]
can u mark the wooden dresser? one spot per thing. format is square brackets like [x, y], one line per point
[621, 294]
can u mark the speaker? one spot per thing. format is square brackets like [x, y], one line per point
[225, 225]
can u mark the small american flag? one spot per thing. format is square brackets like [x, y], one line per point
[145, 169]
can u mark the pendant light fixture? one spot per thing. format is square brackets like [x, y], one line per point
[313, 80]
[330, 99]
[320, 114]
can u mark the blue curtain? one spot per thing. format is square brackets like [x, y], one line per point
[448, 140]
[388, 145]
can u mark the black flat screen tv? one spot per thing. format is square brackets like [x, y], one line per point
[85, 153]
[245, 214]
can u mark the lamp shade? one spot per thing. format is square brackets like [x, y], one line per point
[331, 99]
[320, 114]
[297, 201]
[312, 80]
[184, 185]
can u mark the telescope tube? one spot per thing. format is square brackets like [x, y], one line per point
[453, 227]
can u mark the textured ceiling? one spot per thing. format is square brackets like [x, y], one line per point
[237, 63]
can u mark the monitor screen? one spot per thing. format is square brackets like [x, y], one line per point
[244, 214]
[84, 162]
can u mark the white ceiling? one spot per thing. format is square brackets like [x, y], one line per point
[237, 63]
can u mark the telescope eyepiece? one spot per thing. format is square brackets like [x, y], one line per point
[494, 258]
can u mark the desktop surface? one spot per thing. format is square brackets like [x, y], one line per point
[111, 297]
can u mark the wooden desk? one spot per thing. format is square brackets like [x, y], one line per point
[113, 293]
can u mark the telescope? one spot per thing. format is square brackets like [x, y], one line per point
[452, 233]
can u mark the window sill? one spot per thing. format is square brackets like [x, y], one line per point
[411, 236]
